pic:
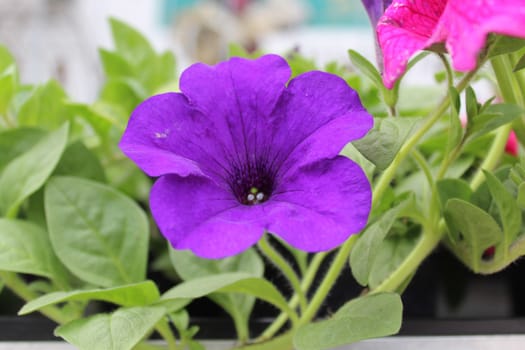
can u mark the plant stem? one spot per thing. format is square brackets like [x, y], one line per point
[328, 281]
[493, 156]
[430, 238]
[308, 278]
[511, 92]
[20, 288]
[274, 256]
[163, 328]
[389, 173]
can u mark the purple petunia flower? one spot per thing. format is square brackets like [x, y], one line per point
[240, 152]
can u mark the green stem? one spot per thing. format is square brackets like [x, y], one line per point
[507, 85]
[308, 278]
[20, 288]
[328, 281]
[163, 328]
[274, 256]
[493, 156]
[519, 75]
[448, 69]
[511, 93]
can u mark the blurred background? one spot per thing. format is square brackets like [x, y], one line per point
[59, 38]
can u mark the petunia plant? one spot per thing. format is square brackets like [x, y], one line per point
[264, 179]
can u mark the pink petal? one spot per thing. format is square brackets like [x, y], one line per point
[404, 29]
[466, 24]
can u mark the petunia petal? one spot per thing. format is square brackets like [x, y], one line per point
[238, 97]
[319, 114]
[375, 9]
[152, 134]
[466, 24]
[194, 213]
[321, 205]
[404, 29]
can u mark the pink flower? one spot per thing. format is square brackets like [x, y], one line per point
[408, 26]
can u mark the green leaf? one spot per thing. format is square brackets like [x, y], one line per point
[300, 64]
[189, 267]
[8, 79]
[371, 316]
[29, 171]
[366, 67]
[130, 44]
[391, 253]
[508, 210]
[521, 196]
[234, 282]
[367, 247]
[25, 248]
[126, 93]
[472, 103]
[121, 330]
[236, 50]
[503, 44]
[472, 230]
[453, 188]
[157, 72]
[520, 65]
[79, 161]
[99, 234]
[492, 117]
[14, 142]
[45, 107]
[382, 143]
[350, 151]
[138, 294]
[115, 65]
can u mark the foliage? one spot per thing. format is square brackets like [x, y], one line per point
[74, 213]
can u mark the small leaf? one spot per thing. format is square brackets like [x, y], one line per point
[114, 65]
[130, 44]
[520, 65]
[453, 188]
[366, 67]
[29, 171]
[382, 143]
[99, 234]
[508, 210]
[8, 79]
[45, 108]
[25, 248]
[138, 294]
[235, 282]
[472, 103]
[472, 230]
[492, 117]
[371, 316]
[121, 330]
[503, 44]
[367, 247]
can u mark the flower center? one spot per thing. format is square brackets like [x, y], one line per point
[252, 184]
